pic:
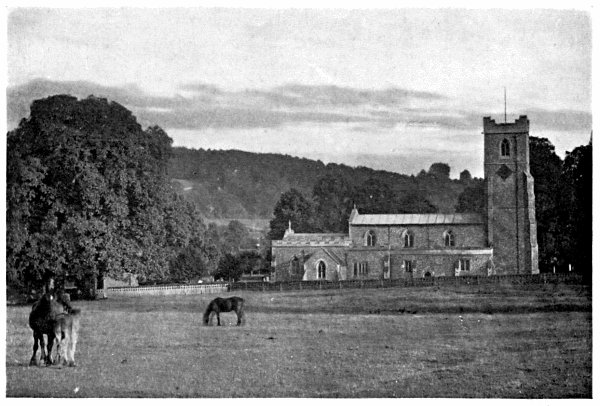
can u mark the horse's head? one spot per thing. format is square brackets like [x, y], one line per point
[50, 303]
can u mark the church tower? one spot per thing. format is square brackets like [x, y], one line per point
[511, 226]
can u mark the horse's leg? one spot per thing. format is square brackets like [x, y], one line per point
[43, 349]
[48, 358]
[63, 349]
[240, 313]
[218, 319]
[59, 344]
[71, 347]
[36, 341]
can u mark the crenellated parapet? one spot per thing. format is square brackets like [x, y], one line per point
[521, 125]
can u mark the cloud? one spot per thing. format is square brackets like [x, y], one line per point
[345, 96]
[201, 105]
[19, 98]
[232, 117]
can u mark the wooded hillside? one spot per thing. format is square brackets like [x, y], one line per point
[243, 185]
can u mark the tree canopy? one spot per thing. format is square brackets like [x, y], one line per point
[577, 173]
[295, 208]
[440, 170]
[88, 194]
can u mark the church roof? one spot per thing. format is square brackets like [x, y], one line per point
[316, 239]
[424, 219]
[336, 254]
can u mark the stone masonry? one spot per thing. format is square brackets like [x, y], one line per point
[397, 246]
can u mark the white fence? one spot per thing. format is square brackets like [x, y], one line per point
[164, 290]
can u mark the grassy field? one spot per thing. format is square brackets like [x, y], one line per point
[464, 341]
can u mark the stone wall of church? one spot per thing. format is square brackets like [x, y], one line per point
[432, 263]
[425, 236]
[510, 198]
[439, 265]
[282, 257]
[373, 262]
[332, 271]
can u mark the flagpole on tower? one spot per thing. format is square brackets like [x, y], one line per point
[504, 104]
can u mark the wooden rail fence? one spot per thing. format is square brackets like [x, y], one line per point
[164, 290]
[347, 284]
[387, 283]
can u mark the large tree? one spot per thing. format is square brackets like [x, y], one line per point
[235, 236]
[415, 202]
[333, 196]
[374, 196]
[88, 194]
[439, 170]
[293, 208]
[472, 198]
[545, 167]
[229, 268]
[577, 173]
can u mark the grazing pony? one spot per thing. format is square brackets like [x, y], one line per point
[229, 304]
[66, 328]
[42, 319]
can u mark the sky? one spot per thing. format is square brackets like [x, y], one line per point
[395, 89]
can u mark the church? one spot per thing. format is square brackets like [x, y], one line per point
[396, 246]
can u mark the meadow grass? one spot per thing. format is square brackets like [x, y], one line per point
[465, 341]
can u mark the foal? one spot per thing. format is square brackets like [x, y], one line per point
[66, 327]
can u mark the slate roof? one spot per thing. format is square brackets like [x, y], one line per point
[425, 219]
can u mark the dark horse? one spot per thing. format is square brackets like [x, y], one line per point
[229, 304]
[43, 318]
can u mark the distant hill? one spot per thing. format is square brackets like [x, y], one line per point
[235, 184]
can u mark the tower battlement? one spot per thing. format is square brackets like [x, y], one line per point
[521, 125]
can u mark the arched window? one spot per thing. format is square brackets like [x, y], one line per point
[408, 239]
[321, 270]
[449, 238]
[505, 148]
[295, 266]
[370, 238]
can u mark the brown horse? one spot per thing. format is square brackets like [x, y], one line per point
[219, 304]
[42, 320]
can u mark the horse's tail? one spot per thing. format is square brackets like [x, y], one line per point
[207, 313]
[241, 304]
[240, 310]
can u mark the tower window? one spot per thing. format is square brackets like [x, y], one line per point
[321, 270]
[408, 239]
[449, 240]
[505, 148]
[370, 238]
